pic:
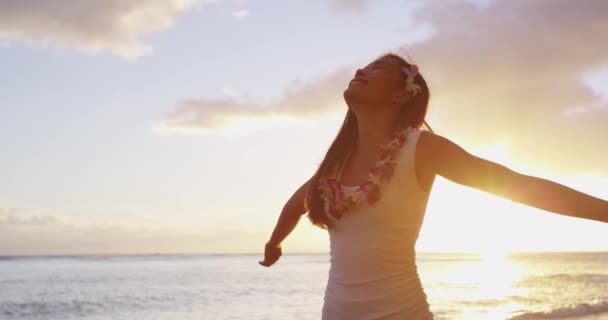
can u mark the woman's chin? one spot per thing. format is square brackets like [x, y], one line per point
[352, 95]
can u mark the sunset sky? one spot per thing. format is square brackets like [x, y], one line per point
[173, 126]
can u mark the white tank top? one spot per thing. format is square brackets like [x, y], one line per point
[373, 272]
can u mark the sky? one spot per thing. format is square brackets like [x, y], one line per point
[183, 126]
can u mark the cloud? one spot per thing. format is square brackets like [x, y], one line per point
[20, 217]
[349, 6]
[514, 69]
[597, 80]
[519, 70]
[34, 232]
[243, 13]
[301, 100]
[93, 26]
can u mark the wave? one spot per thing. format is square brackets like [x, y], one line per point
[573, 311]
[560, 278]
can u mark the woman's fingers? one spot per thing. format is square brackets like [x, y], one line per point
[270, 257]
[269, 260]
[266, 263]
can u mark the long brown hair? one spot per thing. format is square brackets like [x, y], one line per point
[411, 114]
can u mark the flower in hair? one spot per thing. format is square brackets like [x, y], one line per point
[410, 73]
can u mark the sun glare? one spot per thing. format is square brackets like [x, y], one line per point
[495, 254]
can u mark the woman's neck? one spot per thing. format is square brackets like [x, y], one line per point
[372, 133]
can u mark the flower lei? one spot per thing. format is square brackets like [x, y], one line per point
[340, 201]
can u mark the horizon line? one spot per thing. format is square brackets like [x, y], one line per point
[67, 255]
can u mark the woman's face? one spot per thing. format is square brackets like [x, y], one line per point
[376, 84]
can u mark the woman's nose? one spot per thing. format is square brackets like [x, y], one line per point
[358, 72]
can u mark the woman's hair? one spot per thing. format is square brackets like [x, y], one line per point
[411, 114]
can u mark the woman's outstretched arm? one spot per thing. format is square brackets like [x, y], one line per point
[288, 220]
[554, 197]
[452, 162]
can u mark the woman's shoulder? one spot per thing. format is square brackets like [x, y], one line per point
[432, 149]
[430, 143]
[436, 153]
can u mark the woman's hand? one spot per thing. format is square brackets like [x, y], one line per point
[271, 254]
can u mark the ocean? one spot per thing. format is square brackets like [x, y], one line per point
[222, 287]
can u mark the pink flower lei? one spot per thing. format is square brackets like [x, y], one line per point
[339, 201]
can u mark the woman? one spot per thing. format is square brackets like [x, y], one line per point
[371, 190]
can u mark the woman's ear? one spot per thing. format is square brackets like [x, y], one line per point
[401, 96]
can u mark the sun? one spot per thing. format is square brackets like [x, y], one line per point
[495, 254]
